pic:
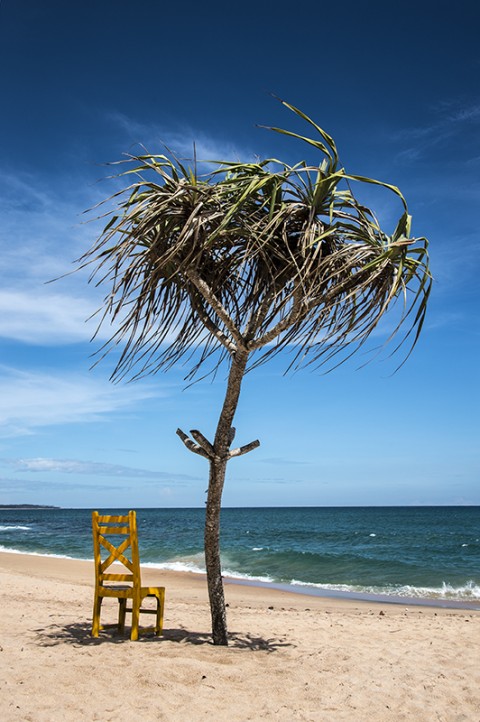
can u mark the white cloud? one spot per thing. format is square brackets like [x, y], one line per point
[31, 400]
[91, 468]
[45, 318]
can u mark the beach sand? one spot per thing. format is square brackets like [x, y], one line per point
[291, 657]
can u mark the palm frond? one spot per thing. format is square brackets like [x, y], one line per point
[254, 256]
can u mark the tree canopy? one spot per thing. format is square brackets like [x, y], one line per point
[259, 256]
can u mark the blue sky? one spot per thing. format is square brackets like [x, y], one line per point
[396, 85]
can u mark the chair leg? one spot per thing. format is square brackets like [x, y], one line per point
[97, 607]
[159, 618]
[135, 619]
[122, 610]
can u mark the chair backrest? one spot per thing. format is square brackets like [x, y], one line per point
[120, 547]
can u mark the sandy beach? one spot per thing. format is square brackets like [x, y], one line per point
[291, 657]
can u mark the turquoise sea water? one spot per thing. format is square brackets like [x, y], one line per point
[419, 552]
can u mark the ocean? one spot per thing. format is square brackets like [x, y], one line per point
[396, 553]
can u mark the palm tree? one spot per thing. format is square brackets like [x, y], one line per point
[239, 264]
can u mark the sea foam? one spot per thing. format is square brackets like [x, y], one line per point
[466, 592]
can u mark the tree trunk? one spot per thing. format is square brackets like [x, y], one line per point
[218, 467]
[212, 551]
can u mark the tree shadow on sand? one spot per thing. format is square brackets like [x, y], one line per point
[78, 634]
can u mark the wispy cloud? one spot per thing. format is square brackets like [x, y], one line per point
[31, 400]
[42, 225]
[92, 468]
[181, 141]
[19, 486]
[452, 121]
[283, 462]
[41, 235]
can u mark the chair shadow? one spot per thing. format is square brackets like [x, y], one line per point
[79, 634]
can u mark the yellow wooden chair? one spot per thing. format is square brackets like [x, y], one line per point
[121, 549]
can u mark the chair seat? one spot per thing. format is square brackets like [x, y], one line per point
[151, 591]
[124, 588]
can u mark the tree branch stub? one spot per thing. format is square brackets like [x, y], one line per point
[191, 445]
[244, 449]
[203, 442]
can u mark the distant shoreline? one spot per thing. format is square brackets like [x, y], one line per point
[28, 507]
